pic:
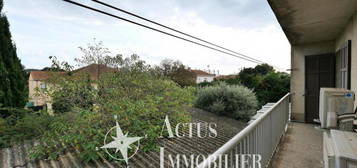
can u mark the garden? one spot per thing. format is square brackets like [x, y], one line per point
[137, 94]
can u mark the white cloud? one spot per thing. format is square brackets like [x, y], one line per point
[42, 28]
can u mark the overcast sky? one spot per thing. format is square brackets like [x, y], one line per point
[43, 28]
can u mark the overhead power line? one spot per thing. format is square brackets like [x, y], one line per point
[160, 31]
[175, 30]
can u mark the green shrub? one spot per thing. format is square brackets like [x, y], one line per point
[12, 125]
[268, 84]
[230, 81]
[230, 100]
[133, 92]
[29, 127]
[140, 100]
[9, 111]
[272, 87]
[61, 105]
[71, 91]
[205, 84]
[11, 115]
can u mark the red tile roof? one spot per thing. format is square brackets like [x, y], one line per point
[41, 75]
[92, 70]
[95, 70]
[203, 73]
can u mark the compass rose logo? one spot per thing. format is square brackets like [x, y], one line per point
[127, 146]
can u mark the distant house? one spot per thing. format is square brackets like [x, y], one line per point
[94, 70]
[202, 76]
[37, 80]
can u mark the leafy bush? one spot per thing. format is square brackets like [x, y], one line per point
[134, 92]
[230, 100]
[177, 72]
[205, 84]
[9, 111]
[230, 81]
[272, 87]
[29, 126]
[268, 85]
[61, 105]
[13, 114]
[71, 91]
[140, 100]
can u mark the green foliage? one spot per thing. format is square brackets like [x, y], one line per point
[71, 91]
[13, 114]
[177, 72]
[263, 69]
[205, 84]
[230, 81]
[6, 112]
[248, 77]
[61, 105]
[230, 100]
[84, 108]
[140, 98]
[141, 102]
[272, 87]
[14, 130]
[183, 77]
[53, 69]
[233, 80]
[268, 85]
[13, 91]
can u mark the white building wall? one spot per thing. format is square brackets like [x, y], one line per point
[297, 82]
[350, 33]
[200, 78]
[298, 53]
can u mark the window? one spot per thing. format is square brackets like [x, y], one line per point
[343, 66]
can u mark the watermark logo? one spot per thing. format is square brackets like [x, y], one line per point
[116, 141]
[120, 142]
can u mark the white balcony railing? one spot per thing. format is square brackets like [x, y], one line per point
[261, 138]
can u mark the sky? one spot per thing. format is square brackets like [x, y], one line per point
[43, 28]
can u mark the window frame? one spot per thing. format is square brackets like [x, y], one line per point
[343, 57]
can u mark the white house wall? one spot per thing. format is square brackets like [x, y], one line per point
[297, 85]
[201, 79]
[350, 33]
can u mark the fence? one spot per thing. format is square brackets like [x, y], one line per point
[261, 137]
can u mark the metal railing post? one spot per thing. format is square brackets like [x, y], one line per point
[260, 137]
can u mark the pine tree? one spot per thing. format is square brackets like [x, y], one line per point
[13, 79]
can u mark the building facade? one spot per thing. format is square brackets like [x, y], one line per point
[38, 81]
[323, 38]
[202, 76]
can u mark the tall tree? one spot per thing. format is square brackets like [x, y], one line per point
[263, 69]
[268, 84]
[13, 92]
[177, 72]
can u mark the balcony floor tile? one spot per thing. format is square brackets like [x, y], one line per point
[301, 147]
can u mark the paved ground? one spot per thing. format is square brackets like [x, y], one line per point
[300, 148]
